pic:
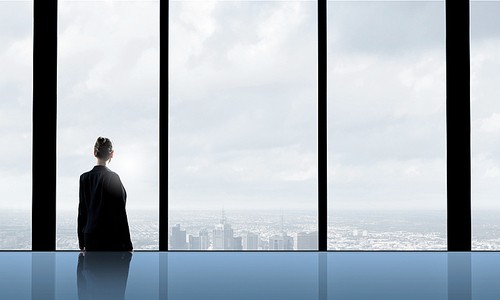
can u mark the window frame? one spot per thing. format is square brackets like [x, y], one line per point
[44, 162]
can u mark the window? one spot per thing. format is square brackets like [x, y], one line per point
[16, 56]
[485, 124]
[386, 126]
[243, 125]
[108, 56]
[221, 144]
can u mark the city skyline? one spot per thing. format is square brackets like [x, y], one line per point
[383, 232]
[223, 238]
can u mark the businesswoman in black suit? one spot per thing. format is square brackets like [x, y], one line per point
[102, 219]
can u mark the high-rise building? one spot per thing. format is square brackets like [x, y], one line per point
[204, 239]
[281, 242]
[306, 241]
[223, 235]
[194, 243]
[178, 238]
[313, 240]
[250, 241]
[263, 244]
[237, 243]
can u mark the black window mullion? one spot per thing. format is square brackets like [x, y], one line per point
[44, 125]
[458, 125]
[322, 127]
[163, 131]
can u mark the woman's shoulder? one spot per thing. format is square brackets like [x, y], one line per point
[109, 171]
[84, 175]
[99, 171]
[110, 174]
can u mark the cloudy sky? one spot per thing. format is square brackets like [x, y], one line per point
[243, 105]
[485, 105]
[386, 105]
[108, 55]
[243, 109]
[16, 56]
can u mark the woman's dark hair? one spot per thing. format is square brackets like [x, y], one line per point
[103, 147]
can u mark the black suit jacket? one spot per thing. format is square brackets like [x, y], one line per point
[102, 219]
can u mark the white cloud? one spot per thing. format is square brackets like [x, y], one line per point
[414, 183]
[386, 106]
[97, 74]
[493, 172]
[243, 105]
[108, 85]
[20, 53]
[15, 189]
[16, 49]
[485, 107]
[491, 124]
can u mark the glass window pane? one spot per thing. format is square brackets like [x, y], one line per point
[386, 125]
[108, 60]
[485, 124]
[243, 125]
[16, 73]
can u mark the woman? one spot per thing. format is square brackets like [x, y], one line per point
[102, 219]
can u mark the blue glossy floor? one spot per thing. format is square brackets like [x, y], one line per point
[250, 275]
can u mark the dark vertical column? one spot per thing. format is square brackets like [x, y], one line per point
[44, 125]
[322, 128]
[458, 125]
[163, 94]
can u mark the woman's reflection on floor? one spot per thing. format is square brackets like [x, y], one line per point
[102, 275]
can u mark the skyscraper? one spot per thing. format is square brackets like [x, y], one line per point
[281, 242]
[204, 239]
[223, 235]
[194, 243]
[237, 243]
[178, 238]
[250, 241]
[306, 241]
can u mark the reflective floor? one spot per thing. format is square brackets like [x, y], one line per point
[250, 275]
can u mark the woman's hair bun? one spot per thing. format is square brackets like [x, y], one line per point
[103, 147]
[101, 140]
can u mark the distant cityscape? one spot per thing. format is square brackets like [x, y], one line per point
[298, 231]
[257, 230]
[268, 230]
[143, 224]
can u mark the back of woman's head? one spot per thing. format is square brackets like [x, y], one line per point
[103, 147]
